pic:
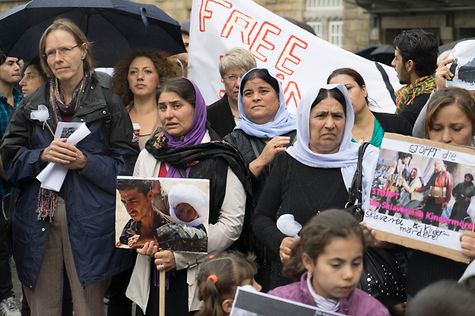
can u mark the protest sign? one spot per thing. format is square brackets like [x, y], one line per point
[249, 302]
[296, 57]
[422, 195]
[172, 213]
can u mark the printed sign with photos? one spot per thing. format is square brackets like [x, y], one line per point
[249, 302]
[423, 195]
[172, 213]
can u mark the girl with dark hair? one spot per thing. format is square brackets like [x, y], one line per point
[328, 262]
[185, 148]
[219, 278]
[369, 126]
[32, 77]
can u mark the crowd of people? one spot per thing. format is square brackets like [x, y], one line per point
[263, 164]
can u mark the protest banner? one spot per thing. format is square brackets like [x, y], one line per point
[423, 195]
[249, 302]
[296, 57]
[173, 213]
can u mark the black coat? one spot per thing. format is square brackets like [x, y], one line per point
[220, 117]
[394, 123]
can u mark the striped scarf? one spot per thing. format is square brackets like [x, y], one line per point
[407, 94]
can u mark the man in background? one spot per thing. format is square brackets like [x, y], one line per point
[10, 98]
[415, 61]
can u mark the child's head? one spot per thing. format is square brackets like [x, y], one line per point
[219, 278]
[188, 204]
[330, 249]
[443, 298]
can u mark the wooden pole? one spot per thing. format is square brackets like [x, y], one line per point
[161, 298]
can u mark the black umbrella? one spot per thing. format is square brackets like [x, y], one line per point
[383, 53]
[366, 52]
[113, 26]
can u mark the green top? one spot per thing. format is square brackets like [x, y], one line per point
[378, 134]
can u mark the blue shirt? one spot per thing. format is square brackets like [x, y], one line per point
[6, 111]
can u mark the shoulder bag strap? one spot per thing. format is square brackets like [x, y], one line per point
[355, 192]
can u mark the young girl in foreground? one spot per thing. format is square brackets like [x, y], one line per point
[328, 258]
[219, 278]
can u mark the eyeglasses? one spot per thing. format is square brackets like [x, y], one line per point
[232, 78]
[62, 51]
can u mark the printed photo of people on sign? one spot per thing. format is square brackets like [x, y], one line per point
[173, 213]
[423, 191]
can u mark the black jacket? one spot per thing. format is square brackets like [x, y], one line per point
[393, 123]
[220, 117]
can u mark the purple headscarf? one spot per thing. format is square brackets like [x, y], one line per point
[194, 136]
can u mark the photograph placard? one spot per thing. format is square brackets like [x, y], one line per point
[423, 195]
[170, 212]
[249, 302]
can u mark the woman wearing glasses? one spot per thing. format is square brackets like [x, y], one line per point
[223, 115]
[70, 230]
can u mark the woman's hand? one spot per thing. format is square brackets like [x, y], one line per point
[59, 151]
[274, 146]
[467, 241]
[165, 260]
[369, 235]
[148, 249]
[443, 73]
[285, 249]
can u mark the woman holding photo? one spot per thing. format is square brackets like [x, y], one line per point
[450, 119]
[185, 148]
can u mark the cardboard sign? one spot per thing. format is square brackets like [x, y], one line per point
[249, 302]
[172, 213]
[296, 57]
[423, 195]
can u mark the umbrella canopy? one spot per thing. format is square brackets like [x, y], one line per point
[366, 52]
[383, 53]
[113, 27]
[448, 46]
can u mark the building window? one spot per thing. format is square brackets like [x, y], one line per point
[324, 4]
[335, 32]
[317, 27]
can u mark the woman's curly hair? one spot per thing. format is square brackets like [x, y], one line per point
[119, 84]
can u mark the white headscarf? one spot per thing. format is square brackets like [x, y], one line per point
[347, 156]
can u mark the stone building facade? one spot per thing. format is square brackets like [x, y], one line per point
[448, 20]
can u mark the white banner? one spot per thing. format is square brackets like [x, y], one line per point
[298, 58]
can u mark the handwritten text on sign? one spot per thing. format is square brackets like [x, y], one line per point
[261, 38]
